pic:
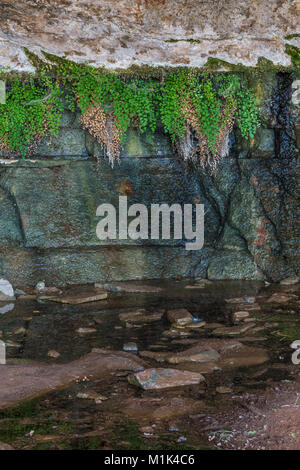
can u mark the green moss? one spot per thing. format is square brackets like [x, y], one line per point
[191, 41]
[128, 437]
[292, 36]
[12, 426]
[294, 53]
[212, 64]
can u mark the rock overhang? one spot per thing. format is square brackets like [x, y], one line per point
[118, 34]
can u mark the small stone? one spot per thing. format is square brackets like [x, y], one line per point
[241, 315]
[130, 347]
[40, 286]
[19, 292]
[146, 430]
[223, 389]
[6, 291]
[54, 354]
[84, 331]
[156, 379]
[235, 300]
[179, 316]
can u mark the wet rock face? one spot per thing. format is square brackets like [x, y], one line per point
[48, 205]
[119, 33]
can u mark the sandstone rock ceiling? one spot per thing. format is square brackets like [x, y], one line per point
[119, 33]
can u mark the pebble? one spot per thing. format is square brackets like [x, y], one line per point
[241, 315]
[130, 347]
[54, 354]
[83, 331]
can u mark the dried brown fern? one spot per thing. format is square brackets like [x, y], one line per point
[105, 130]
[195, 145]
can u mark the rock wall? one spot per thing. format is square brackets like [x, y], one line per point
[120, 33]
[252, 229]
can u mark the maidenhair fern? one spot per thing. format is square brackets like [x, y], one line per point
[109, 105]
[197, 110]
[31, 112]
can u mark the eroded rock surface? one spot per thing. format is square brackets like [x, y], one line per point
[120, 33]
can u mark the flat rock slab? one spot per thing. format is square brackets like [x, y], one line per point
[79, 298]
[23, 382]
[128, 287]
[156, 379]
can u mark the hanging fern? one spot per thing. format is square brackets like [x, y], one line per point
[109, 105]
[31, 112]
[196, 110]
[199, 113]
